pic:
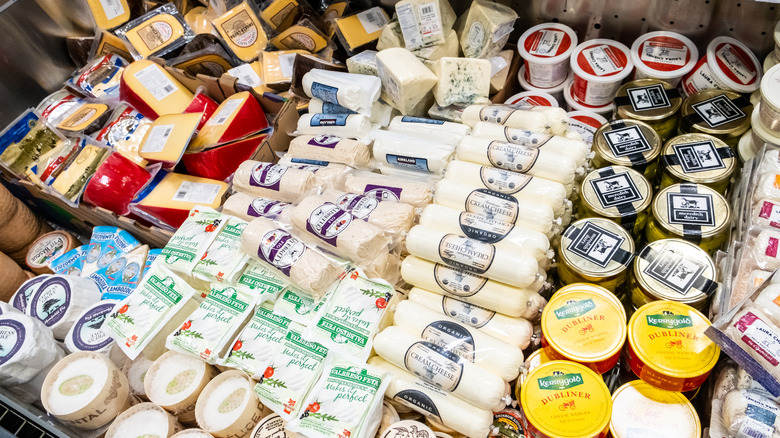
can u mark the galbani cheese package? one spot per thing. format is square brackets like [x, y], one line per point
[238, 116]
[168, 199]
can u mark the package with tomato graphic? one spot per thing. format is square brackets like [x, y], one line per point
[345, 402]
[349, 320]
[258, 342]
[223, 260]
[192, 240]
[213, 324]
[299, 306]
[261, 281]
[286, 382]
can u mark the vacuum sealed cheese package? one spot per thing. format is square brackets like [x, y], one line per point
[273, 181]
[242, 31]
[258, 342]
[417, 192]
[355, 126]
[189, 244]
[153, 91]
[393, 217]
[223, 260]
[109, 14]
[124, 132]
[248, 207]
[326, 174]
[411, 153]
[352, 91]
[560, 144]
[168, 199]
[99, 79]
[156, 33]
[332, 149]
[429, 129]
[261, 281]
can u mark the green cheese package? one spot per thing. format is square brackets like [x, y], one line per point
[192, 240]
[71, 182]
[223, 261]
[207, 331]
[24, 141]
[258, 342]
[261, 282]
[298, 306]
[346, 401]
[286, 382]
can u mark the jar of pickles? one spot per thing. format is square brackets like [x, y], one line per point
[628, 143]
[652, 101]
[619, 194]
[595, 250]
[697, 158]
[692, 212]
[719, 113]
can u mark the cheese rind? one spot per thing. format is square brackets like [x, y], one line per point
[461, 81]
[152, 90]
[486, 29]
[404, 78]
[390, 37]
[170, 198]
[237, 117]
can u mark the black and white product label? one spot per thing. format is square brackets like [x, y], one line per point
[434, 364]
[698, 157]
[648, 98]
[466, 313]
[458, 282]
[199, 193]
[494, 205]
[418, 401]
[465, 253]
[503, 181]
[226, 111]
[157, 138]
[372, 20]
[691, 209]
[452, 336]
[615, 190]
[596, 245]
[156, 82]
[675, 271]
[760, 416]
[718, 111]
[480, 227]
[627, 141]
[409, 26]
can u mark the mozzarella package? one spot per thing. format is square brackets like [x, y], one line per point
[353, 91]
[393, 217]
[273, 181]
[577, 149]
[331, 149]
[417, 192]
[411, 153]
[355, 126]
[429, 129]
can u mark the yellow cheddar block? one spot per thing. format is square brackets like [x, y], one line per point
[278, 67]
[198, 21]
[362, 28]
[109, 14]
[302, 36]
[168, 137]
[241, 30]
[333, 13]
[280, 14]
[153, 91]
[154, 34]
[210, 64]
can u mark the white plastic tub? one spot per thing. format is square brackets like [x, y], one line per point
[599, 67]
[573, 104]
[745, 148]
[546, 50]
[556, 92]
[761, 134]
[533, 98]
[770, 61]
[663, 55]
[585, 123]
[727, 65]
[770, 101]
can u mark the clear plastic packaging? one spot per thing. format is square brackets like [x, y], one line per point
[395, 218]
[417, 192]
[99, 79]
[353, 91]
[429, 129]
[332, 149]
[249, 207]
[156, 33]
[355, 126]
[411, 153]
[274, 181]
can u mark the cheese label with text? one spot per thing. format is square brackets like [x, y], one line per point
[466, 253]
[458, 282]
[453, 337]
[281, 250]
[328, 221]
[503, 181]
[434, 364]
[493, 205]
[512, 157]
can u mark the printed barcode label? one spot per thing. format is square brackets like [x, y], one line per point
[155, 81]
[246, 75]
[427, 9]
[430, 22]
[373, 20]
[409, 27]
[112, 8]
[286, 63]
[198, 193]
[157, 138]
[228, 108]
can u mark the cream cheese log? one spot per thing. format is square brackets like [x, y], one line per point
[393, 217]
[441, 367]
[429, 129]
[326, 174]
[506, 115]
[576, 149]
[521, 186]
[273, 181]
[557, 119]
[355, 126]
[331, 149]
[411, 153]
[499, 206]
[417, 193]
[539, 162]
[248, 207]
[483, 350]
[471, 288]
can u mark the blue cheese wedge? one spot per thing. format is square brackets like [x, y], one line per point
[390, 37]
[405, 79]
[461, 81]
[486, 29]
[364, 63]
[450, 48]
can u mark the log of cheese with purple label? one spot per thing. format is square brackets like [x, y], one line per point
[393, 217]
[415, 192]
[248, 207]
[577, 149]
[331, 149]
[274, 181]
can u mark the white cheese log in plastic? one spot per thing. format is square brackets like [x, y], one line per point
[577, 149]
[381, 113]
[521, 186]
[331, 149]
[523, 159]
[352, 91]
[356, 126]
[429, 129]
[273, 181]
[405, 79]
[485, 351]
[28, 346]
[741, 420]
[767, 189]
[248, 207]
[501, 234]
[411, 153]
[441, 367]
[442, 407]
[499, 206]
[506, 115]
[557, 119]
[386, 266]
[338, 230]
[325, 174]
[144, 419]
[60, 300]
[393, 217]
[516, 332]
[471, 288]
[263, 240]
[175, 380]
[766, 250]
[417, 193]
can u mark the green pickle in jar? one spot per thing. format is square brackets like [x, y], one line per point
[697, 158]
[692, 212]
[652, 101]
[619, 194]
[629, 143]
[719, 113]
[672, 270]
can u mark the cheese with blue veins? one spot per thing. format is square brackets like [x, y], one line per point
[461, 81]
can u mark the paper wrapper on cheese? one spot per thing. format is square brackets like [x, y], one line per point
[338, 230]
[418, 192]
[249, 207]
[85, 391]
[355, 126]
[577, 149]
[471, 288]
[86, 334]
[516, 332]
[483, 350]
[394, 218]
[442, 407]
[226, 406]
[59, 301]
[174, 382]
[441, 367]
[356, 92]
[411, 153]
[499, 206]
[144, 419]
[331, 149]
[429, 129]
[273, 181]
[29, 345]
[506, 115]
[265, 241]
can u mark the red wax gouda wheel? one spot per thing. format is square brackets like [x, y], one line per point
[221, 162]
[115, 184]
[204, 105]
[47, 248]
[13, 276]
[237, 117]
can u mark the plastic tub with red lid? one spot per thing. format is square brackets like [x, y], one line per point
[574, 105]
[532, 98]
[727, 65]
[663, 55]
[556, 92]
[585, 123]
[599, 66]
[546, 50]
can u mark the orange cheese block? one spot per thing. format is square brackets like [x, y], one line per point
[168, 137]
[170, 197]
[109, 14]
[242, 31]
[152, 90]
[238, 116]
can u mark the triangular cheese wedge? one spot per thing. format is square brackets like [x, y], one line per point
[238, 116]
[168, 137]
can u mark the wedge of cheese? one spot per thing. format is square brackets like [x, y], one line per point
[238, 116]
[277, 68]
[280, 14]
[156, 33]
[405, 78]
[168, 137]
[170, 197]
[152, 90]
[463, 81]
[450, 48]
[109, 14]
[110, 44]
[303, 35]
[71, 182]
[364, 63]
[500, 70]
[220, 162]
[361, 29]
[241, 30]
[486, 29]
[390, 37]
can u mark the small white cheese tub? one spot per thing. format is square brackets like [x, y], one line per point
[546, 49]
[556, 91]
[640, 408]
[272, 426]
[573, 104]
[86, 333]
[663, 55]
[727, 65]
[227, 407]
[599, 67]
[746, 149]
[175, 380]
[532, 98]
[761, 134]
[85, 390]
[144, 419]
[770, 61]
[770, 101]
[194, 433]
[585, 123]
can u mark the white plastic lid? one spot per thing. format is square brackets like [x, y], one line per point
[547, 43]
[759, 130]
[664, 55]
[528, 87]
[745, 148]
[532, 98]
[770, 88]
[770, 61]
[734, 64]
[602, 60]
[575, 105]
